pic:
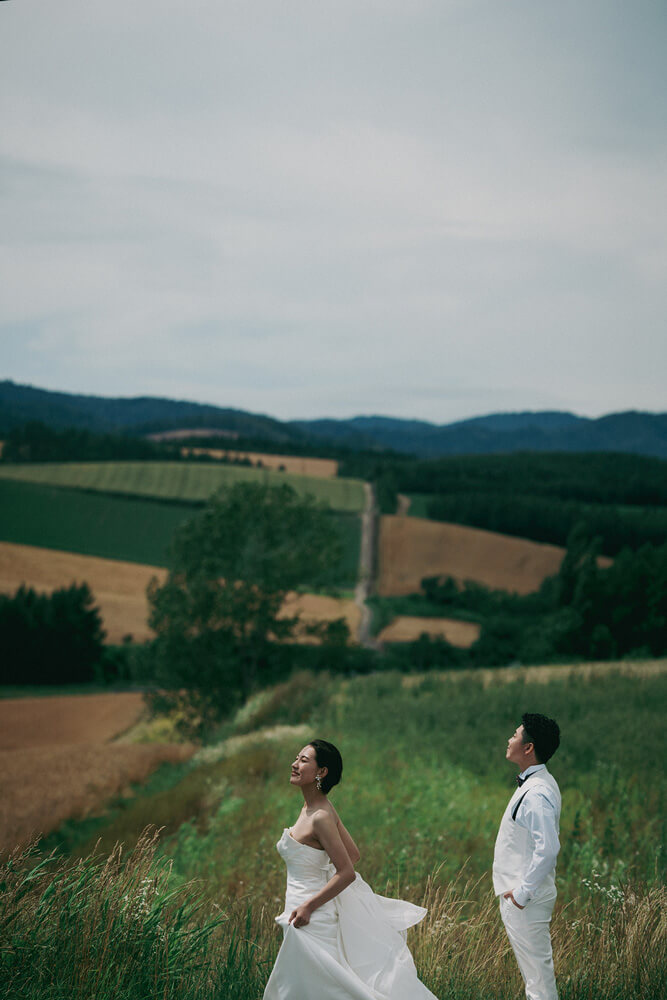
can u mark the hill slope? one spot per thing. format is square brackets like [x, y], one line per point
[635, 432]
[20, 404]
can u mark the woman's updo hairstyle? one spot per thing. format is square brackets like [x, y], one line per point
[328, 756]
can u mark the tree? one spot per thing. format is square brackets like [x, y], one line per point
[50, 638]
[219, 613]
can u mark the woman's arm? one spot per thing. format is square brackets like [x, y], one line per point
[350, 845]
[328, 834]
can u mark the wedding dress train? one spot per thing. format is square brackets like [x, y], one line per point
[354, 946]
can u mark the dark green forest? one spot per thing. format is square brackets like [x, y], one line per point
[36, 442]
[51, 638]
[583, 612]
[621, 499]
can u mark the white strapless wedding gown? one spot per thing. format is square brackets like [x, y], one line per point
[354, 946]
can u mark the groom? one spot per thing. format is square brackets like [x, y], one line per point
[524, 860]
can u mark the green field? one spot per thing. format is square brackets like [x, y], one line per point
[192, 482]
[424, 785]
[115, 527]
[90, 524]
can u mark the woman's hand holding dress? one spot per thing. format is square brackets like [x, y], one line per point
[300, 916]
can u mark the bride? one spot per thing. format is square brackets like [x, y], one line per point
[341, 941]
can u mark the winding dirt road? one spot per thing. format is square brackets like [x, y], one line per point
[367, 557]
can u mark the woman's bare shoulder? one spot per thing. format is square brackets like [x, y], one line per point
[324, 817]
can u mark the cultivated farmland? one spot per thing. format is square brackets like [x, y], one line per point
[67, 720]
[135, 529]
[119, 588]
[297, 465]
[314, 608]
[192, 482]
[412, 548]
[56, 763]
[407, 628]
[41, 787]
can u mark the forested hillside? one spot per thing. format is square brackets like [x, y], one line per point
[621, 499]
[633, 432]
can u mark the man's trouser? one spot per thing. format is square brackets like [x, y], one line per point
[529, 933]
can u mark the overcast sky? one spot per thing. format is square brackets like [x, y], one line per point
[419, 208]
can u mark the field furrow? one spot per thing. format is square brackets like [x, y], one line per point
[412, 548]
[185, 481]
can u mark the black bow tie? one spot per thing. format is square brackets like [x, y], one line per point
[520, 780]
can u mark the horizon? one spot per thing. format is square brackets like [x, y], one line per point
[356, 416]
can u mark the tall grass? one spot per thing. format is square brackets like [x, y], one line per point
[614, 949]
[121, 929]
[115, 929]
[425, 780]
[424, 785]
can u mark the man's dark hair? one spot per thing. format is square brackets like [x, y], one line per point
[543, 733]
[328, 756]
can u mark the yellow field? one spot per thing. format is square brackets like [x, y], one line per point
[406, 628]
[411, 548]
[327, 468]
[56, 763]
[315, 608]
[119, 588]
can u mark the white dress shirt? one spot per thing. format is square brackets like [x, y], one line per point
[538, 815]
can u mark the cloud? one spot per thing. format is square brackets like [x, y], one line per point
[306, 209]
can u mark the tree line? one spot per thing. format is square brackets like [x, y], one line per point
[36, 442]
[52, 638]
[547, 520]
[622, 499]
[595, 477]
[583, 612]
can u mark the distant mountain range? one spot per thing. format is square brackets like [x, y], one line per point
[633, 431]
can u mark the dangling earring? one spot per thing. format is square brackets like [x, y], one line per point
[318, 782]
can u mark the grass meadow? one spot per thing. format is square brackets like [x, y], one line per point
[192, 482]
[190, 914]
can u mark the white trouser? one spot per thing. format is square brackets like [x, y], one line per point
[530, 937]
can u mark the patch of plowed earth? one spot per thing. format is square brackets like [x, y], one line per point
[315, 608]
[413, 548]
[406, 628]
[119, 588]
[41, 787]
[67, 720]
[326, 468]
